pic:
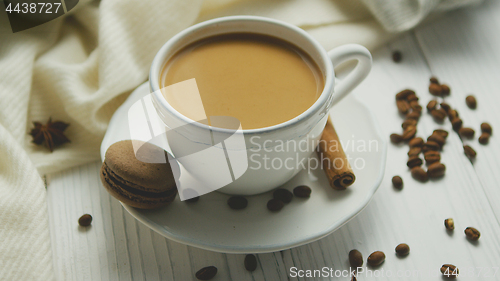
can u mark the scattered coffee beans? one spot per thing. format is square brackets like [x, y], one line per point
[469, 152]
[437, 139]
[397, 182]
[416, 142]
[449, 224]
[419, 174]
[250, 262]
[402, 249]
[237, 202]
[441, 132]
[486, 128]
[414, 161]
[432, 105]
[484, 138]
[438, 114]
[404, 94]
[409, 122]
[434, 80]
[414, 151]
[355, 259]
[409, 133]
[456, 123]
[466, 132]
[436, 170]
[283, 194]
[274, 205]
[397, 56]
[472, 233]
[302, 191]
[452, 114]
[435, 89]
[431, 145]
[471, 102]
[376, 258]
[85, 220]
[445, 90]
[395, 138]
[206, 273]
[432, 157]
[449, 270]
[403, 106]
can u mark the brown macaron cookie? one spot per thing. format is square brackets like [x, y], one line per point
[145, 184]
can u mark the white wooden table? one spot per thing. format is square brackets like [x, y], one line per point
[461, 49]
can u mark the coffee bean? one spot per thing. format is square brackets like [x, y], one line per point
[436, 170]
[438, 114]
[283, 195]
[403, 106]
[445, 106]
[452, 114]
[302, 191]
[414, 161]
[431, 145]
[449, 270]
[441, 132]
[466, 132]
[237, 202]
[250, 262]
[419, 174]
[206, 273]
[85, 220]
[414, 151]
[404, 94]
[415, 106]
[435, 89]
[402, 249]
[432, 157]
[472, 233]
[486, 128]
[471, 102]
[415, 115]
[409, 133]
[396, 138]
[445, 89]
[449, 224]
[397, 56]
[355, 259]
[456, 123]
[409, 122]
[432, 105]
[470, 152]
[434, 80]
[353, 278]
[274, 205]
[397, 182]
[416, 142]
[437, 139]
[376, 258]
[412, 97]
[484, 138]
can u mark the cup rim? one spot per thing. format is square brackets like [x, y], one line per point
[159, 58]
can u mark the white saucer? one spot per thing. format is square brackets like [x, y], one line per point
[210, 223]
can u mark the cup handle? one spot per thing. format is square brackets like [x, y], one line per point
[358, 74]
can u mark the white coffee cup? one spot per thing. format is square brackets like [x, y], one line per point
[304, 130]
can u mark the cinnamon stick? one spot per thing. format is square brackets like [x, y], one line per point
[333, 159]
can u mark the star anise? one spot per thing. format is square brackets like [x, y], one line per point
[50, 134]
